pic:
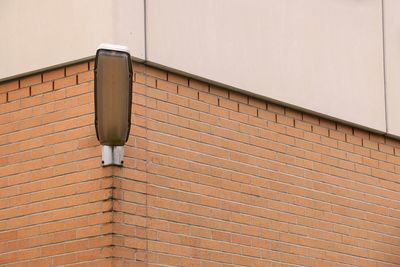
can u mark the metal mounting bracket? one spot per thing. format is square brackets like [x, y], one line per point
[112, 156]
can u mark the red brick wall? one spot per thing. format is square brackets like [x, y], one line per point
[211, 178]
[55, 199]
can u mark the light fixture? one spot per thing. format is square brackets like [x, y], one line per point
[113, 100]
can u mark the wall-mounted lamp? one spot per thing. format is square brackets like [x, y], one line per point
[113, 100]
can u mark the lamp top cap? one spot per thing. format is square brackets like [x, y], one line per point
[114, 47]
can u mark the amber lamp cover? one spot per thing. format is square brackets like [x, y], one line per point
[113, 96]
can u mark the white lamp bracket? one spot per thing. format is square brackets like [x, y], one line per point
[112, 156]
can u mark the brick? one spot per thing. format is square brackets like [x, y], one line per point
[337, 135]
[9, 86]
[259, 103]
[77, 90]
[85, 76]
[215, 90]
[386, 149]
[370, 144]
[53, 74]
[199, 85]
[238, 97]
[247, 109]
[77, 68]
[327, 123]
[293, 113]
[145, 79]
[64, 82]
[3, 98]
[34, 79]
[42, 88]
[138, 67]
[220, 112]
[314, 120]
[354, 139]
[157, 73]
[284, 120]
[91, 65]
[226, 103]
[275, 108]
[188, 92]
[344, 128]
[206, 181]
[175, 78]
[361, 133]
[303, 125]
[378, 138]
[18, 94]
[167, 86]
[392, 142]
[221, 236]
[208, 98]
[264, 114]
[320, 130]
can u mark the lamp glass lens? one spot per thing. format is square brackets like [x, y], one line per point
[112, 97]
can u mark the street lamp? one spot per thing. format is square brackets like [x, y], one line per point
[113, 100]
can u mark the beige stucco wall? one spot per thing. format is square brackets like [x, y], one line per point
[392, 64]
[322, 56]
[40, 34]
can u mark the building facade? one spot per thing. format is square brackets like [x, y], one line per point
[217, 171]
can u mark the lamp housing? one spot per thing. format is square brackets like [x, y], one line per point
[112, 94]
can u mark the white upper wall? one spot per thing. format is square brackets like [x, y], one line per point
[40, 34]
[392, 64]
[323, 56]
